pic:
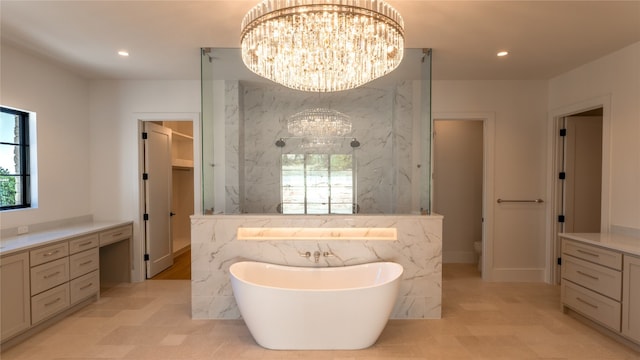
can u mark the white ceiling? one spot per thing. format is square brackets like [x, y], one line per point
[545, 38]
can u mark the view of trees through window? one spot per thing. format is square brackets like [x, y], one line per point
[14, 159]
[317, 184]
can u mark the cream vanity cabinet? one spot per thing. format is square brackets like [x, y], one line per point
[631, 298]
[602, 284]
[49, 278]
[15, 294]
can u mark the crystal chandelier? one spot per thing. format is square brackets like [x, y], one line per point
[319, 125]
[322, 45]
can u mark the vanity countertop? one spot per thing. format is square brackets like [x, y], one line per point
[27, 241]
[623, 243]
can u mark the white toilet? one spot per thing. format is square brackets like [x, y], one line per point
[477, 246]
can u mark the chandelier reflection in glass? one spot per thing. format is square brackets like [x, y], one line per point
[319, 126]
[322, 45]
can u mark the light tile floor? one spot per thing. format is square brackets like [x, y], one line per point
[151, 320]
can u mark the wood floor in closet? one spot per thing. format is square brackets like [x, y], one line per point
[180, 270]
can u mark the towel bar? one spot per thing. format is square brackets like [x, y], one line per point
[537, 201]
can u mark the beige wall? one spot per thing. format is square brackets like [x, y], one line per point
[60, 100]
[518, 111]
[115, 109]
[615, 77]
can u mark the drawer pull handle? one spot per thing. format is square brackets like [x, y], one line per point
[86, 263]
[87, 286]
[587, 303]
[587, 275]
[53, 302]
[52, 275]
[117, 234]
[588, 253]
[50, 253]
[85, 243]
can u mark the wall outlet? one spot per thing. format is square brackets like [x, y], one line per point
[23, 229]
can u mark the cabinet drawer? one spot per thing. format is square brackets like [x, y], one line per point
[594, 254]
[598, 278]
[84, 262]
[83, 243]
[84, 286]
[117, 234]
[48, 253]
[593, 305]
[49, 303]
[46, 276]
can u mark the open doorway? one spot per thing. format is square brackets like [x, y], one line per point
[458, 183]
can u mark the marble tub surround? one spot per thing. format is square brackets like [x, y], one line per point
[215, 247]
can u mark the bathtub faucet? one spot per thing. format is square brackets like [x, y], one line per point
[316, 255]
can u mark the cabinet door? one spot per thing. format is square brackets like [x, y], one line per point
[631, 298]
[15, 313]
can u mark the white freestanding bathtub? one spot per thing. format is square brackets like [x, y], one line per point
[297, 308]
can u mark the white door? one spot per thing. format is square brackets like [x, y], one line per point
[157, 165]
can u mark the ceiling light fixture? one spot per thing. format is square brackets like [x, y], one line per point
[123, 53]
[502, 53]
[322, 45]
[319, 123]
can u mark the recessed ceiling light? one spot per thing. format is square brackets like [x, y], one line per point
[502, 53]
[123, 53]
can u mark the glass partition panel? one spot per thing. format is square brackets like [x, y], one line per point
[426, 124]
[270, 149]
[206, 91]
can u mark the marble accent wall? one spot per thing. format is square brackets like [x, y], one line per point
[382, 121]
[214, 247]
[234, 147]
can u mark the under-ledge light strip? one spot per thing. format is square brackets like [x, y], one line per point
[307, 233]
